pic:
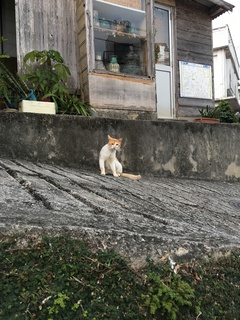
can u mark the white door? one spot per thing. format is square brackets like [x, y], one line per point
[163, 61]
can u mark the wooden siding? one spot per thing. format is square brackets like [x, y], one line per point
[45, 25]
[82, 50]
[121, 93]
[194, 44]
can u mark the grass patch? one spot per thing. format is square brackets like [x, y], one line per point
[62, 278]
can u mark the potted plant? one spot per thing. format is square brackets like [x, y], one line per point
[46, 73]
[223, 113]
[208, 115]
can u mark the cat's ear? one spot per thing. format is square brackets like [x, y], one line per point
[120, 139]
[109, 137]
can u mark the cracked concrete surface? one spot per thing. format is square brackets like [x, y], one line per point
[148, 218]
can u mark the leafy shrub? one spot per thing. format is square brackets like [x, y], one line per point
[46, 73]
[225, 112]
[166, 292]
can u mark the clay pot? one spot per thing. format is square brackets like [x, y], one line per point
[207, 120]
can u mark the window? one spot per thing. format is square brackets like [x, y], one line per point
[120, 36]
[162, 36]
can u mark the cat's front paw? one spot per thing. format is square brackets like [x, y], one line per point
[103, 173]
[116, 175]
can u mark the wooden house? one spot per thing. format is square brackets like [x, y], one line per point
[130, 58]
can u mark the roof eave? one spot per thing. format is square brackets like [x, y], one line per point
[216, 7]
[217, 11]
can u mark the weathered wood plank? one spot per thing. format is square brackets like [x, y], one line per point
[82, 50]
[194, 30]
[195, 47]
[48, 25]
[112, 93]
[184, 55]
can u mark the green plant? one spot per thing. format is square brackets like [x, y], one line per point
[61, 278]
[208, 112]
[71, 104]
[12, 87]
[166, 292]
[46, 73]
[226, 113]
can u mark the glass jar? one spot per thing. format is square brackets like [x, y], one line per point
[113, 65]
[98, 62]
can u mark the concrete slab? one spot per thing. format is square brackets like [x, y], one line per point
[152, 217]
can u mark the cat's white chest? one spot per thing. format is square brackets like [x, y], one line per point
[106, 153]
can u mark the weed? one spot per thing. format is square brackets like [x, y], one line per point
[61, 278]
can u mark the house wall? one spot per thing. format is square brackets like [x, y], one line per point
[232, 79]
[194, 44]
[220, 73]
[161, 148]
[45, 25]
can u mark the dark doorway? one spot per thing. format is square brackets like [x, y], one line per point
[8, 31]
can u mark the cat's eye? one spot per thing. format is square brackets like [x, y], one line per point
[112, 144]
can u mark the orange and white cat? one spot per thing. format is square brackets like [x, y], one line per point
[108, 161]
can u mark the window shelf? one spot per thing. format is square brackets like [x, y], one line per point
[120, 34]
[114, 33]
[112, 14]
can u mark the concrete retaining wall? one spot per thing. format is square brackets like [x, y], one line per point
[161, 148]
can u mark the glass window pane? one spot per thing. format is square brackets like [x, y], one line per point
[161, 33]
[120, 36]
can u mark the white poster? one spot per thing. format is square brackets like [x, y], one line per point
[195, 80]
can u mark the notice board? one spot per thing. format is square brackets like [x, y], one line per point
[195, 80]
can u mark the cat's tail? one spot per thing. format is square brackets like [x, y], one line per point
[131, 176]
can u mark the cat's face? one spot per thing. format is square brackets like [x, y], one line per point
[114, 144]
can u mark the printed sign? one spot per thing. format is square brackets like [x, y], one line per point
[195, 80]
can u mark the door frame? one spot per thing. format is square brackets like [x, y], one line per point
[164, 68]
